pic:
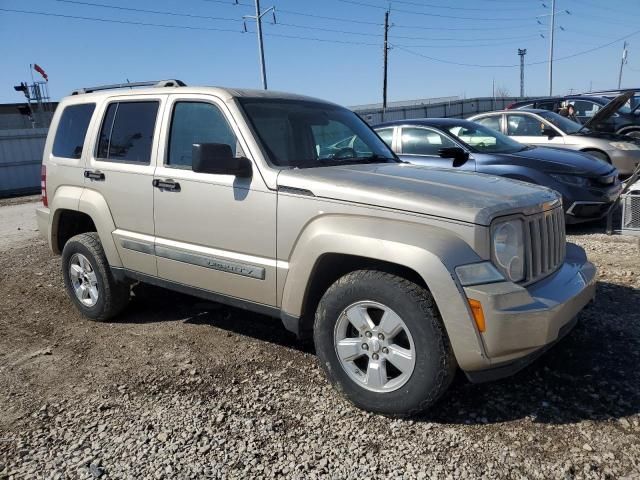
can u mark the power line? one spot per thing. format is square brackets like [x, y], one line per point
[413, 12]
[141, 10]
[540, 62]
[173, 26]
[282, 24]
[447, 7]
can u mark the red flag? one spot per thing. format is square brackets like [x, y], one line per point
[41, 71]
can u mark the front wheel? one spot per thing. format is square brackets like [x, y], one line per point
[381, 342]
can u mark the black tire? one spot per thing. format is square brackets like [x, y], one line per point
[113, 296]
[435, 365]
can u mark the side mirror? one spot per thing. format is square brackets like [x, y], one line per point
[218, 158]
[549, 132]
[457, 153]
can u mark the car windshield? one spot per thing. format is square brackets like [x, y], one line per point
[307, 134]
[563, 123]
[483, 139]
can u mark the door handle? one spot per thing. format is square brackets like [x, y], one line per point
[95, 175]
[168, 184]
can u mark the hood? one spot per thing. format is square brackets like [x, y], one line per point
[465, 196]
[609, 109]
[560, 160]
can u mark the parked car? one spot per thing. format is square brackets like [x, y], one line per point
[399, 273]
[545, 128]
[610, 94]
[625, 120]
[588, 186]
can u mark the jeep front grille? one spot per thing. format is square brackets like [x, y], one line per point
[546, 243]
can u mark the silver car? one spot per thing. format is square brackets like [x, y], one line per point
[545, 128]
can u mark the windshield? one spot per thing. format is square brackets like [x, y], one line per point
[483, 139]
[563, 123]
[304, 134]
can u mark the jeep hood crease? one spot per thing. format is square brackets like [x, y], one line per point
[464, 196]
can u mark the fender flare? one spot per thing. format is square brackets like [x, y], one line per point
[80, 199]
[430, 251]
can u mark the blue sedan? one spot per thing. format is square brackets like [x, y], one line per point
[588, 186]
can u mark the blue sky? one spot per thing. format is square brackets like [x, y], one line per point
[346, 67]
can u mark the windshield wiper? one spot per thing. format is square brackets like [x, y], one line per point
[374, 158]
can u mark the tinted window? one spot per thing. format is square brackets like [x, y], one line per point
[585, 109]
[490, 122]
[419, 141]
[386, 134]
[524, 126]
[72, 128]
[196, 122]
[127, 132]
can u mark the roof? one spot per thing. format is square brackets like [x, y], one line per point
[226, 93]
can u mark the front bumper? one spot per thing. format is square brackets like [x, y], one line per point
[522, 322]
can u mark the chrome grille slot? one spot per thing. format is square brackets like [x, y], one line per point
[546, 234]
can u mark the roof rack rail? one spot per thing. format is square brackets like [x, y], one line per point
[154, 83]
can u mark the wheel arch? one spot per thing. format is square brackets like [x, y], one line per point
[597, 150]
[76, 210]
[420, 253]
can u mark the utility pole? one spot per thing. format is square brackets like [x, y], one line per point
[258, 19]
[522, 52]
[553, 27]
[385, 62]
[622, 62]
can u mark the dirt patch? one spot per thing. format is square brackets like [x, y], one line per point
[181, 388]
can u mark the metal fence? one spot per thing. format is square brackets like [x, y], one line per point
[450, 109]
[20, 159]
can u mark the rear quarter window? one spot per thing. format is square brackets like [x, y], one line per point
[72, 129]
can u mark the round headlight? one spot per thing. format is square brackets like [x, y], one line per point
[508, 249]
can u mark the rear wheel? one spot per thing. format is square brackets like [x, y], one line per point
[89, 281]
[381, 343]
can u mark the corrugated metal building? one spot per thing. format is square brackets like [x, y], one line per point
[20, 159]
[21, 147]
[460, 108]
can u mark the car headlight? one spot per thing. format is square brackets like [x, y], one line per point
[624, 145]
[571, 179]
[478, 273]
[508, 249]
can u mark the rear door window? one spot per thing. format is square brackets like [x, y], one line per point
[386, 134]
[72, 129]
[490, 122]
[127, 131]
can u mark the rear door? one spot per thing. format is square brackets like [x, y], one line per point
[530, 130]
[121, 168]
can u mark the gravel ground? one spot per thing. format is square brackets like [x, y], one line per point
[181, 388]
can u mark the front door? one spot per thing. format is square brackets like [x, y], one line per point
[422, 145]
[120, 169]
[213, 232]
[531, 130]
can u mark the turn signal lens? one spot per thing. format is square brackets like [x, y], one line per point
[478, 314]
